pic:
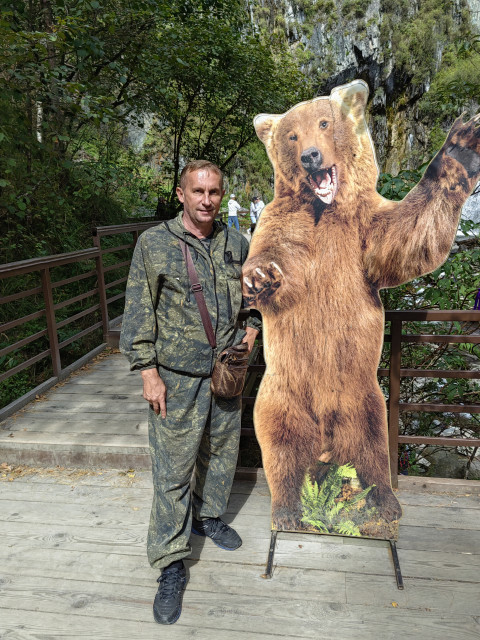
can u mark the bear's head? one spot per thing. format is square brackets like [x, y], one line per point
[321, 149]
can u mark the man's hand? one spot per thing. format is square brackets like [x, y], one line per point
[250, 337]
[155, 391]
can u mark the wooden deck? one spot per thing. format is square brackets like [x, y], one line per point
[73, 562]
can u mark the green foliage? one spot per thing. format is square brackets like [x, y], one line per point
[355, 9]
[78, 80]
[457, 85]
[325, 508]
[397, 187]
[416, 34]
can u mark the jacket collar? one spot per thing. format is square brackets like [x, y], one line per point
[176, 227]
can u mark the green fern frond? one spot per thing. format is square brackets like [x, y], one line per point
[347, 471]
[318, 524]
[337, 507]
[347, 528]
[310, 492]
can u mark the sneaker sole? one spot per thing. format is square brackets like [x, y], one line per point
[203, 535]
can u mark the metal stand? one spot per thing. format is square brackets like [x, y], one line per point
[271, 552]
[396, 564]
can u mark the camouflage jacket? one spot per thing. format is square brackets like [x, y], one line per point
[161, 322]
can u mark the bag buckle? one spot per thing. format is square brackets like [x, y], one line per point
[196, 287]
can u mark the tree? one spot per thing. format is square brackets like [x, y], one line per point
[76, 76]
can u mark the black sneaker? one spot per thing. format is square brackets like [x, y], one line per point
[167, 605]
[222, 535]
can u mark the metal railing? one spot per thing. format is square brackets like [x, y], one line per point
[40, 270]
[101, 301]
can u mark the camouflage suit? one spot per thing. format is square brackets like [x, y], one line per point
[162, 328]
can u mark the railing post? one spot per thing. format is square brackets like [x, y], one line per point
[102, 292]
[394, 398]
[51, 322]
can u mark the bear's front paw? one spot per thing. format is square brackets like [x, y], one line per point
[287, 519]
[463, 144]
[260, 282]
[386, 504]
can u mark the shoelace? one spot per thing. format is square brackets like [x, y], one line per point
[216, 526]
[171, 583]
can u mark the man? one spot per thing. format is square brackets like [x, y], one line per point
[164, 338]
[233, 209]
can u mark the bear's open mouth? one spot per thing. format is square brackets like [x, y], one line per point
[324, 184]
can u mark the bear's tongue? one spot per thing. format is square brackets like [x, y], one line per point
[323, 185]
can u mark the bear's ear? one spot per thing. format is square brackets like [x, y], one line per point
[265, 126]
[352, 100]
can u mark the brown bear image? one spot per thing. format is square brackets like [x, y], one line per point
[322, 250]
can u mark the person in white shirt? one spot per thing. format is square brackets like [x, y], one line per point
[259, 206]
[233, 208]
[253, 214]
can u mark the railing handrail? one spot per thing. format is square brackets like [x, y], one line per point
[467, 315]
[115, 229]
[11, 269]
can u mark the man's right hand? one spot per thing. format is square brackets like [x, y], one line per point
[155, 391]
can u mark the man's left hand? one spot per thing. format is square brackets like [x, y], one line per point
[250, 337]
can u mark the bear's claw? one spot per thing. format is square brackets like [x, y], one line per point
[260, 283]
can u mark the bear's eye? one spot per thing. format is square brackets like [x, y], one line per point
[323, 124]
[293, 137]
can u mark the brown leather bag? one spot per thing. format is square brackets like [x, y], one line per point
[230, 370]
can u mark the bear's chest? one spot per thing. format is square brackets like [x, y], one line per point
[337, 256]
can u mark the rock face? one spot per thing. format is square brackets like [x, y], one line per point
[471, 208]
[368, 39]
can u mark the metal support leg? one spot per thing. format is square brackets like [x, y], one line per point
[271, 552]
[396, 564]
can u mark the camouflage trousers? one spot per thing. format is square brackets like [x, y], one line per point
[200, 435]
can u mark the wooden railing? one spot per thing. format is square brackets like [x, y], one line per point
[99, 293]
[395, 373]
[39, 271]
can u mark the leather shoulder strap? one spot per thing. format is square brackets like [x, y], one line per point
[197, 290]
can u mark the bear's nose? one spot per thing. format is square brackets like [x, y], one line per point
[311, 159]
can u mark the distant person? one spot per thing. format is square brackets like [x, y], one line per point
[253, 213]
[259, 206]
[233, 209]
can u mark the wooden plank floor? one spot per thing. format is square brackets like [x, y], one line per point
[73, 562]
[97, 417]
[73, 565]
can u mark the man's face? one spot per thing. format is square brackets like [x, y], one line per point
[201, 197]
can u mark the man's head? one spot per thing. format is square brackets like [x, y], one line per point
[232, 196]
[200, 192]
[196, 165]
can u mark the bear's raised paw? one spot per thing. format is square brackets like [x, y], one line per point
[463, 144]
[260, 282]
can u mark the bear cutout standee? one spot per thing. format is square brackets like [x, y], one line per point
[322, 250]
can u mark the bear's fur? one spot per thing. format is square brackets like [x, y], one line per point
[320, 253]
